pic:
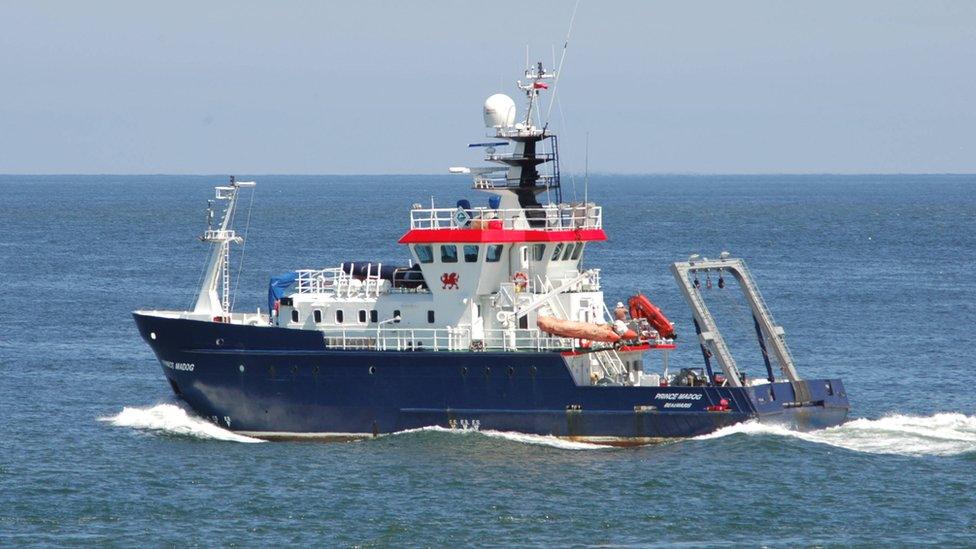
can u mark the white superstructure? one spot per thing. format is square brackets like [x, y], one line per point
[480, 278]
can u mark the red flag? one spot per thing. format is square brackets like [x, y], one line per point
[540, 86]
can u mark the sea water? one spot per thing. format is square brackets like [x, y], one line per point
[873, 278]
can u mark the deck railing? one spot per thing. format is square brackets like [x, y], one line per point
[539, 284]
[551, 218]
[337, 281]
[440, 339]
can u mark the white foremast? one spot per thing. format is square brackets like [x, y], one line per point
[210, 302]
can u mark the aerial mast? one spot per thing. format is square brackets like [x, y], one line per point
[209, 301]
[535, 81]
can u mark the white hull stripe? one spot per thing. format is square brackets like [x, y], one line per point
[285, 435]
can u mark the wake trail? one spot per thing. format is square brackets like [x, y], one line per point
[174, 420]
[942, 434]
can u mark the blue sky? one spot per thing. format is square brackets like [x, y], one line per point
[397, 87]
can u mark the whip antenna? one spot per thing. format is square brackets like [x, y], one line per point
[559, 69]
[586, 170]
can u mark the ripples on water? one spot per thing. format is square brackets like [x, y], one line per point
[945, 434]
[871, 276]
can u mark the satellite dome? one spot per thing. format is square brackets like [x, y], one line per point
[499, 111]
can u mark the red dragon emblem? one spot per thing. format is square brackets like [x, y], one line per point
[450, 281]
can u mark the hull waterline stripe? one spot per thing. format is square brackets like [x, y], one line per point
[342, 437]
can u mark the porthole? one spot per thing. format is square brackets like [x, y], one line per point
[152, 335]
[294, 370]
[533, 370]
[220, 341]
[372, 370]
[241, 368]
[511, 371]
[271, 371]
[315, 370]
[487, 370]
[464, 370]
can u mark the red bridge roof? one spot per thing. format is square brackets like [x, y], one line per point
[424, 236]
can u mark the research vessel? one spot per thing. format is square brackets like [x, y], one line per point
[491, 324]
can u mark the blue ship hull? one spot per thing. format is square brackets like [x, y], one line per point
[277, 383]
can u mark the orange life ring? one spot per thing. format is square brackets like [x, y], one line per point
[521, 280]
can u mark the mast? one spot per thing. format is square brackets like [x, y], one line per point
[209, 301]
[522, 183]
[535, 81]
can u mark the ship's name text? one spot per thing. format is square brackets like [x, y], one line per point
[678, 396]
[182, 366]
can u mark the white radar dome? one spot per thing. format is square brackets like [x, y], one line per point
[499, 111]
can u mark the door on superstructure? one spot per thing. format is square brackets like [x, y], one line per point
[477, 323]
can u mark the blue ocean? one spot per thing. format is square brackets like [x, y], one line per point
[873, 277]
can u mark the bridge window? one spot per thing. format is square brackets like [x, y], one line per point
[424, 253]
[318, 316]
[396, 314]
[494, 253]
[568, 252]
[557, 252]
[577, 251]
[430, 317]
[294, 315]
[374, 316]
[448, 253]
[538, 252]
[362, 316]
[470, 253]
[338, 316]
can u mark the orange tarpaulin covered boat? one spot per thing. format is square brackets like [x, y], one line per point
[641, 307]
[577, 330]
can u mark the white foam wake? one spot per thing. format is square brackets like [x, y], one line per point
[172, 419]
[521, 438]
[943, 434]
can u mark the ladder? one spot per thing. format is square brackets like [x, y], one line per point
[225, 278]
[610, 362]
[710, 337]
